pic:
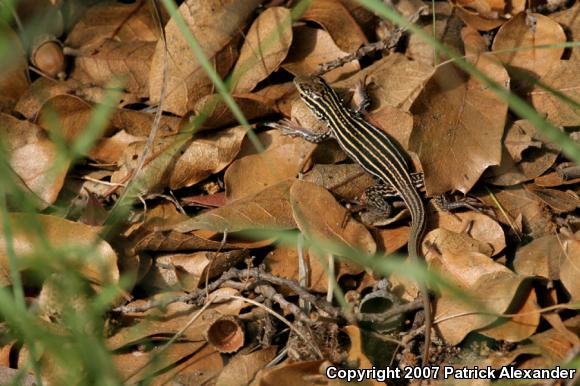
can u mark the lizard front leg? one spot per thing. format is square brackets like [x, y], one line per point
[292, 129]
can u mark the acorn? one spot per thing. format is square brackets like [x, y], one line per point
[47, 56]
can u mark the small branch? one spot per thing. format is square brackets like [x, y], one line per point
[370, 48]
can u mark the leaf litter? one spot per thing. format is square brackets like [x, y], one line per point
[217, 271]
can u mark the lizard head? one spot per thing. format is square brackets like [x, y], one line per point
[312, 87]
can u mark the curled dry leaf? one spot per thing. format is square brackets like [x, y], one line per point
[518, 327]
[482, 15]
[526, 155]
[243, 367]
[456, 145]
[191, 270]
[265, 47]
[283, 262]
[217, 25]
[268, 168]
[267, 209]
[65, 116]
[98, 261]
[336, 226]
[140, 123]
[552, 258]
[570, 269]
[129, 61]
[568, 18]
[166, 240]
[41, 90]
[134, 366]
[479, 226]
[111, 149]
[32, 155]
[14, 80]
[333, 16]
[155, 322]
[348, 181]
[217, 114]
[518, 203]
[226, 334]
[555, 344]
[562, 76]
[312, 47]
[447, 31]
[110, 20]
[490, 285]
[179, 161]
[394, 80]
[557, 200]
[307, 373]
[528, 30]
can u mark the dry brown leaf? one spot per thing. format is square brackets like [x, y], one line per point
[164, 240]
[479, 227]
[111, 149]
[484, 15]
[570, 269]
[41, 90]
[333, 16]
[191, 270]
[171, 320]
[457, 145]
[519, 327]
[541, 257]
[268, 139]
[217, 25]
[140, 123]
[348, 181]
[98, 262]
[555, 344]
[201, 368]
[528, 30]
[491, 285]
[124, 22]
[447, 31]
[129, 61]
[392, 239]
[295, 373]
[356, 353]
[135, 366]
[312, 47]
[242, 368]
[283, 262]
[393, 81]
[553, 179]
[32, 156]
[309, 201]
[517, 203]
[267, 209]
[180, 162]
[570, 19]
[526, 155]
[14, 79]
[65, 116]
[557, 200]
[563, 77]
[266, 46]
[267, 168]
[217, 114]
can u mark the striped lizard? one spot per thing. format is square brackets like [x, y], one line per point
[377, 154]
